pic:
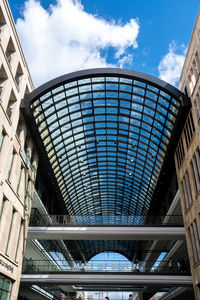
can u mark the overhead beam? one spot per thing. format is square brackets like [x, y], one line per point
[120, 279]
[106, 233]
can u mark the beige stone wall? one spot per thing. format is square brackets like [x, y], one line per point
[16, 151]
[188, 159]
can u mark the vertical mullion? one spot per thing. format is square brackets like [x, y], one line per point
[196, 237]
[2, 206]
[197, 156]
[188, 188]
[26, 188]
[2, 139]
[185, 194]
[194, 174]
[19, 180]
[191, 229]
[11, 164]
[9, 232]
[18, 239]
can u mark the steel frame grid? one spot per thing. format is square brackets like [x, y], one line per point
[92, 248]
[109, 129]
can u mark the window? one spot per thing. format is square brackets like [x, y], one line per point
[5, 288]
[10, 51]
[11, 164]
[194, 238]
[2, 136]
[2, 20]
[33, 157]
[2, 206]
[195, 167]
[197, 106]
[193, 76]
[10, 229]
[19, 127]
[18, 238]
[11, 104]
[189, 129]
[19, 179]
[3, 79]
[27, 147]
[18, 75]
[197, 61]
[187, 195]
[191, 84]
[27, 189]
[180, 153]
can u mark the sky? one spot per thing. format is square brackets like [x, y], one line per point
[62, 36]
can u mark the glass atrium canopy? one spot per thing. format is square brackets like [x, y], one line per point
[106, 134]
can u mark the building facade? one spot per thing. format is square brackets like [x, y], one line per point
[92, 158]
[18, 159]
[187, 155]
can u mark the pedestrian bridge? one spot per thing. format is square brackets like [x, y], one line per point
[103, 232]
[105, 278]
[38, 219]
[102, 266]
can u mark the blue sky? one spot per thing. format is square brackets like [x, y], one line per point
[150, 36]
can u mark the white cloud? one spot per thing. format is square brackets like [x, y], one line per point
[65, 38]
[125, 60]
[170, 66]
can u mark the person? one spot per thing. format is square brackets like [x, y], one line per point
[136, 266]
[107, 298]
[30, 264]
[183, 266]
[179, 265]
[170, 265]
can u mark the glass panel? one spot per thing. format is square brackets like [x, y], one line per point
[7, 285]
[1, 282]
[2, 139]
[125, 121]
[11, 164]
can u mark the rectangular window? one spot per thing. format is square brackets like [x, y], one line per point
[186, 188]
[9, 231]
[5, 288]
[189, 129]
[2, 206]
[194, 238]
[197, 241]
[2, 136]
[180, 153]
[26, 188]
[11, 164]
[18, 239]
[19, 179]
[195, 167]
[197, 107]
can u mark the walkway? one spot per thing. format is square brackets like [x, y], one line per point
[91, 278]
[106, 233]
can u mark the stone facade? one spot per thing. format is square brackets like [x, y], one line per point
[187, 156]
[18, 157]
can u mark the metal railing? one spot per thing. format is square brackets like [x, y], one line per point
[57, 266]
[64, 220]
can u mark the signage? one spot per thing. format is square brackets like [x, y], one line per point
[6, 265]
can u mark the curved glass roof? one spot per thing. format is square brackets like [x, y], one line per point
[106, 133]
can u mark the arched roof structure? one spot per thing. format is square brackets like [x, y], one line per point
[105, 135]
